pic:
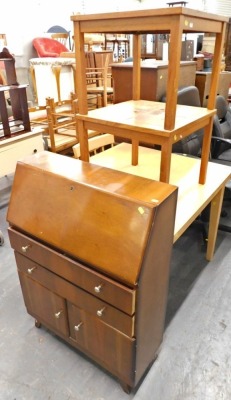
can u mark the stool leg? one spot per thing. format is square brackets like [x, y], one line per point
[57, 70]
[32, 73]
[74, 77]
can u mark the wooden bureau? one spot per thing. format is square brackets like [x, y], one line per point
[93, 248]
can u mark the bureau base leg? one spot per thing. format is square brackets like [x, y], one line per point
[37, 324]
[126, 388]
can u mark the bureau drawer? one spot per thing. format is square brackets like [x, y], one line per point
[109, 346]
[45, 306]
[93, 282]
[100, 309]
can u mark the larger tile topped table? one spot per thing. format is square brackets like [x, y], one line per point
[192, 197]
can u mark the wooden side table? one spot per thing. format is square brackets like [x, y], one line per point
[172, 20]
[142, 121]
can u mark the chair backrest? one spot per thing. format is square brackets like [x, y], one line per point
[192, 144]
[62, 124]
[99, 76]
[62, 37]
[221, 126]
[61, 29]
[102, 57]
[47, 47]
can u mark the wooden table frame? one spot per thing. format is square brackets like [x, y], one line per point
[192, 196]
[141, 121]
[172, 20]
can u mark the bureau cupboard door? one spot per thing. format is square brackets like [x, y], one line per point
[108, 346]
[45, 306]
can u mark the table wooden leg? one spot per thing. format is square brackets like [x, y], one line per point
[214, 218]
[135, 150]
[165, 163]
[205, 151]
[83, 141]
[173, 75]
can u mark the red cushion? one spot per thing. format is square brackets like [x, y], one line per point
[47, 47]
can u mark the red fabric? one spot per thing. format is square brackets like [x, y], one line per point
[47, 47]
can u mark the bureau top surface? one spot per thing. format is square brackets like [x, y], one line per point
[100, 216]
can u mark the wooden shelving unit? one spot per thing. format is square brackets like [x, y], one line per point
[20, 122]
[174, 21]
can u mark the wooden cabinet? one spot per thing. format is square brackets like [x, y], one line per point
[16, 147]
[187, 50]
[152, 47]
[203, 82]
[93, 255]
[174, 21]
[154, 76]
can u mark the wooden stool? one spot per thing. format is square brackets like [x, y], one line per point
[182, 3]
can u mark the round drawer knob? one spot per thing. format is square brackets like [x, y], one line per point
[30, 270]
[98, 288]
[100, 312]
[57, 315]
[77, 327]
[25, 248]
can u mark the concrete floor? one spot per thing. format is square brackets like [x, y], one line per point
[194, 361]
